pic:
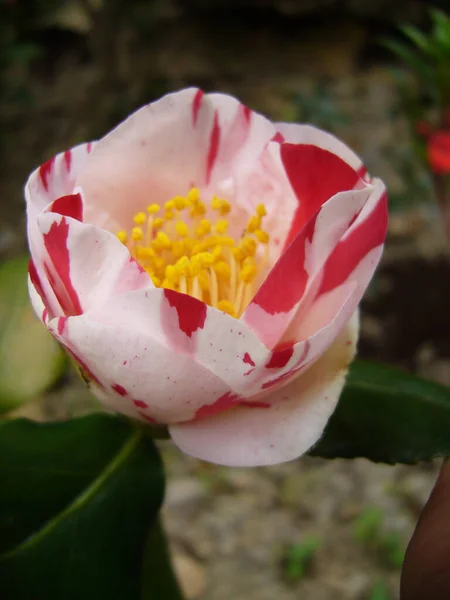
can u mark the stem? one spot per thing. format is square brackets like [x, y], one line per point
[158, 577]
[443, 204]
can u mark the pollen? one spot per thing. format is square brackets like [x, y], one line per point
[185, 245]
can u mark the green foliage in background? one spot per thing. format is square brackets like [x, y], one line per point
[369, 530]
[31, 361]
[379, 592]
[298, 558]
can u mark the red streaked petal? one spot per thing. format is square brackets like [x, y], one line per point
[366, 233]
[213, 147]
[69, 206]
[315, 175]
[294, 422]
[196, 104]
[190, 311]
[289, 275]
[55, 242]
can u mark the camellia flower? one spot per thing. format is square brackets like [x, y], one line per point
[203, 266]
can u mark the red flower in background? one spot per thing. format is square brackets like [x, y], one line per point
[438, 152]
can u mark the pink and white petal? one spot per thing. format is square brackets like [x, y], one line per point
[242, 135]
[55, 178]
[322, 315]
[36, 302]
[158, 152]
[333, 220]
[86, 265]
[270, 312]
[244, 437]
[327, 321]
[264, 181]
[366, 234]
[315, 175]
[299, 270]
[229, 349]
[130, 357]
[318, 323]
[215, 341]
[297, 133]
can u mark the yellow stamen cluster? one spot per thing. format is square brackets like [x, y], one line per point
[184, 250]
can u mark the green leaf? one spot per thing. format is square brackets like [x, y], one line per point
[388, 416]
[379, 592]
[30, 359]
[416, 37]
[77, 502]
[411, 60]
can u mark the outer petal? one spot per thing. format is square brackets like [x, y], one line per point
[84, 264]
[295, 133]
[140, 349]
[298, 271]
[36, 301]
[243, 134]
[54, 179]
[294, 422]
[185, 139]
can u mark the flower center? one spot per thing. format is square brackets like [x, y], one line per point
[183, 250]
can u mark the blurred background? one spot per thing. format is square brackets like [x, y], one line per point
[72, 69]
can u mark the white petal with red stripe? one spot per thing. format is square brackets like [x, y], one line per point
[244, 437]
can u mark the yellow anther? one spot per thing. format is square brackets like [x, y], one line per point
[183, 266]
[136, 234]
[171, 273]
[158, 262]
[204, 228]
[221, 226]
[122, 236]
[178, 249]
[179, 202]
[144, 253]
[193, 195]
[203, 281]
[261, 210]
[227, 307]
[262, 236]
[217, 252]
[152, 209]
[162, 241]
[223, 271]
[248, 271]
[223, 207]
[254, 223]
[194, 255]
[201, 261]
[247, 247]
[182, 229]
[140, 218]
[168, 285]
[198, 209]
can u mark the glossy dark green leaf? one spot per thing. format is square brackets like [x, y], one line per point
[77, 502]
[30, 359]
[388, 416]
